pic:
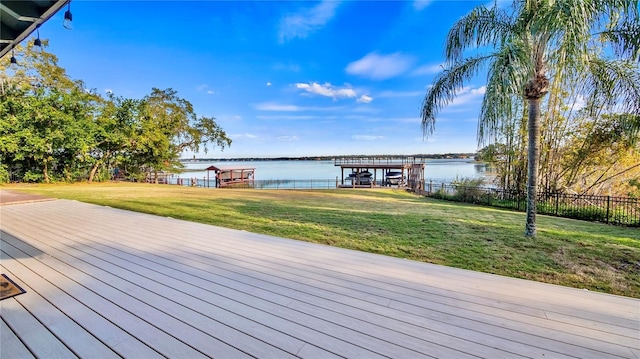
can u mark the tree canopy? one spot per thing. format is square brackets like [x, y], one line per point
[53, 128]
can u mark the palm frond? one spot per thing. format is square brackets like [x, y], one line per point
[503, 98]
[613, 84]
[481, 27]
[444, 87]
[572, 24]
[624, 39]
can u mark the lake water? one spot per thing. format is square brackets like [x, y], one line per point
[436, 170]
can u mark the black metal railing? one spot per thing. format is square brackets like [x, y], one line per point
[259, 184]
[606, 209]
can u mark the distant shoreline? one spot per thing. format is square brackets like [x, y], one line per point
[330, 158]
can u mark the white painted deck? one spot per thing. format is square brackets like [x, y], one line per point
[105, 283]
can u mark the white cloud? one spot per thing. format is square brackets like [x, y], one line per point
[380, 67]
[579, 103]
[287, 138]
[479, 91]
[421, 4]
[306, 21]
[366, 137]
[326, 90]
[237, 118]
[365, 99]
[269, 84]
[467, 95]
[428, 70]
[209, 92]
[108, 91]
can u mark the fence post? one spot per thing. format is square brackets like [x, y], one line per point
[608, 204]
[557, 200]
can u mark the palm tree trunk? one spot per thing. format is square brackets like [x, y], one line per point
[532, 159]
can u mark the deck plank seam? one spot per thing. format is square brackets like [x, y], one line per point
[29, 349]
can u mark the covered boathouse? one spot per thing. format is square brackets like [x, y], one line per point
[368, 172]
[227, 177]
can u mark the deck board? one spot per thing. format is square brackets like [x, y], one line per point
[181, 289]
[114, 337]
[11, 346]
[35, 335]
[74, 336]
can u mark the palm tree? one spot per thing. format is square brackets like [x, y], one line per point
[535, 46]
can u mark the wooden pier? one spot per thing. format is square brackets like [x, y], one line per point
[410, 167]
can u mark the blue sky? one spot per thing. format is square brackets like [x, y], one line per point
[283, 78]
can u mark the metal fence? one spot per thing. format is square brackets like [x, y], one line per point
[260, 184]
[606, 209]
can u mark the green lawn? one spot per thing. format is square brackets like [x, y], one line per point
[396, 223]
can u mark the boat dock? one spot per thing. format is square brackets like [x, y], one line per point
[228, 177]
[368, 172]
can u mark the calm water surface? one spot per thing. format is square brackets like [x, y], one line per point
[437, 170]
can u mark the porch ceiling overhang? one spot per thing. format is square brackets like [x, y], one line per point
[19, 18]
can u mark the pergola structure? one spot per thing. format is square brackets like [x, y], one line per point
[226, 177]
[19, 18]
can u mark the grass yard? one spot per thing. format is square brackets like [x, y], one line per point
[392, 222]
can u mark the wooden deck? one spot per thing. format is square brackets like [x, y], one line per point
[104, 283]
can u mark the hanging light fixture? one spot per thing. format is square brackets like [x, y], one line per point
[13, 58]
[68, 17]
[37, 41]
